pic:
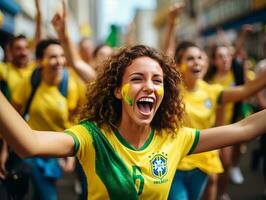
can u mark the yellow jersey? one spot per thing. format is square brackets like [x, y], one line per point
[116, 170]
[200, 109]
[227, 81]
[49, 109]
[13, 75]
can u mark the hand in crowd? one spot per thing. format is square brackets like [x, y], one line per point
[174, 11]
[67, 164]
[247, 28]
[38, 8]
[59, 20]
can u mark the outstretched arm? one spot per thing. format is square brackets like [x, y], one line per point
[27, 142]
[169, 37]
[242, 92]
[84, 70]
[242, 131]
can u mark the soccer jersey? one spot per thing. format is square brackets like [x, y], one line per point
[49, 109]
[227, 81]
[116, 170]
[201, 105]
[81, 92]
[13, 75]
[81, 86]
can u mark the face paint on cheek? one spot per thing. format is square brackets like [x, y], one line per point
[45, 62]
[125, 96]
[183, 67]
[160, 90]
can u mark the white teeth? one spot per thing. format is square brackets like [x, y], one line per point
[146, 100]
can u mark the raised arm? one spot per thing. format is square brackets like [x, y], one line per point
[242, 131]
[84, 70]
[38, 25]
[169, 38]
[242, 37]
[27, 142]
[242, 92]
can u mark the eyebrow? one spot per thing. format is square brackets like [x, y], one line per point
[141, 74]
[136, 73]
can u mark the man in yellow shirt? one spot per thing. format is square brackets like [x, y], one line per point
[11, 73]
[20, 66]
[49, 110]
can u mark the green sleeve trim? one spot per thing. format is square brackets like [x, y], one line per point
[76, 141]
[195, 143]
[219, 99]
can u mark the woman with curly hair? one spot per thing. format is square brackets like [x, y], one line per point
[131, 139]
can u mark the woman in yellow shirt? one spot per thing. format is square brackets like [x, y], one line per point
[201, 101]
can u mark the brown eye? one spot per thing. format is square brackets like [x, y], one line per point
[158, 81]
[136, 79]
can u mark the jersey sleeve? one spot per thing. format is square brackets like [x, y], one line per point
[216, 91]
[82, 141]
[188, 140]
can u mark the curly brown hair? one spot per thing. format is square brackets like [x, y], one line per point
[103, 107]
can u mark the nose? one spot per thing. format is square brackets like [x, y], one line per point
[149, 87]
[60, 61]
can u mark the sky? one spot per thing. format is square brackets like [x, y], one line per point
[121, 12]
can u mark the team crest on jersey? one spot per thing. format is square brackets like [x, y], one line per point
[208, 103]
[158, 164]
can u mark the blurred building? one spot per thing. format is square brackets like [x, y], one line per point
[18, 17]
[8, 11]
[201, 20]
[231, 16]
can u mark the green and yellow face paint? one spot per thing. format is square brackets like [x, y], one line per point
[160, 91]
[183, 67]
[44, 62]
[125, 94]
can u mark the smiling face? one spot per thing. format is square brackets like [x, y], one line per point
[20, 52]
[192, 63]
[141, 91]
[53, 60]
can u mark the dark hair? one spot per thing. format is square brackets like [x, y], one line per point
[15, 38]
[42, 45]
[103, 107]
[181, 48]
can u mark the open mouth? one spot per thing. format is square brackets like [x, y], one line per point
[196, 71]
[145, 105]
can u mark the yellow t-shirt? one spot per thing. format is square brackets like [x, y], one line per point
[13, 75]
[116, 170]
[227, 81]
[49, 109]
[81, 86]
[200, 110]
